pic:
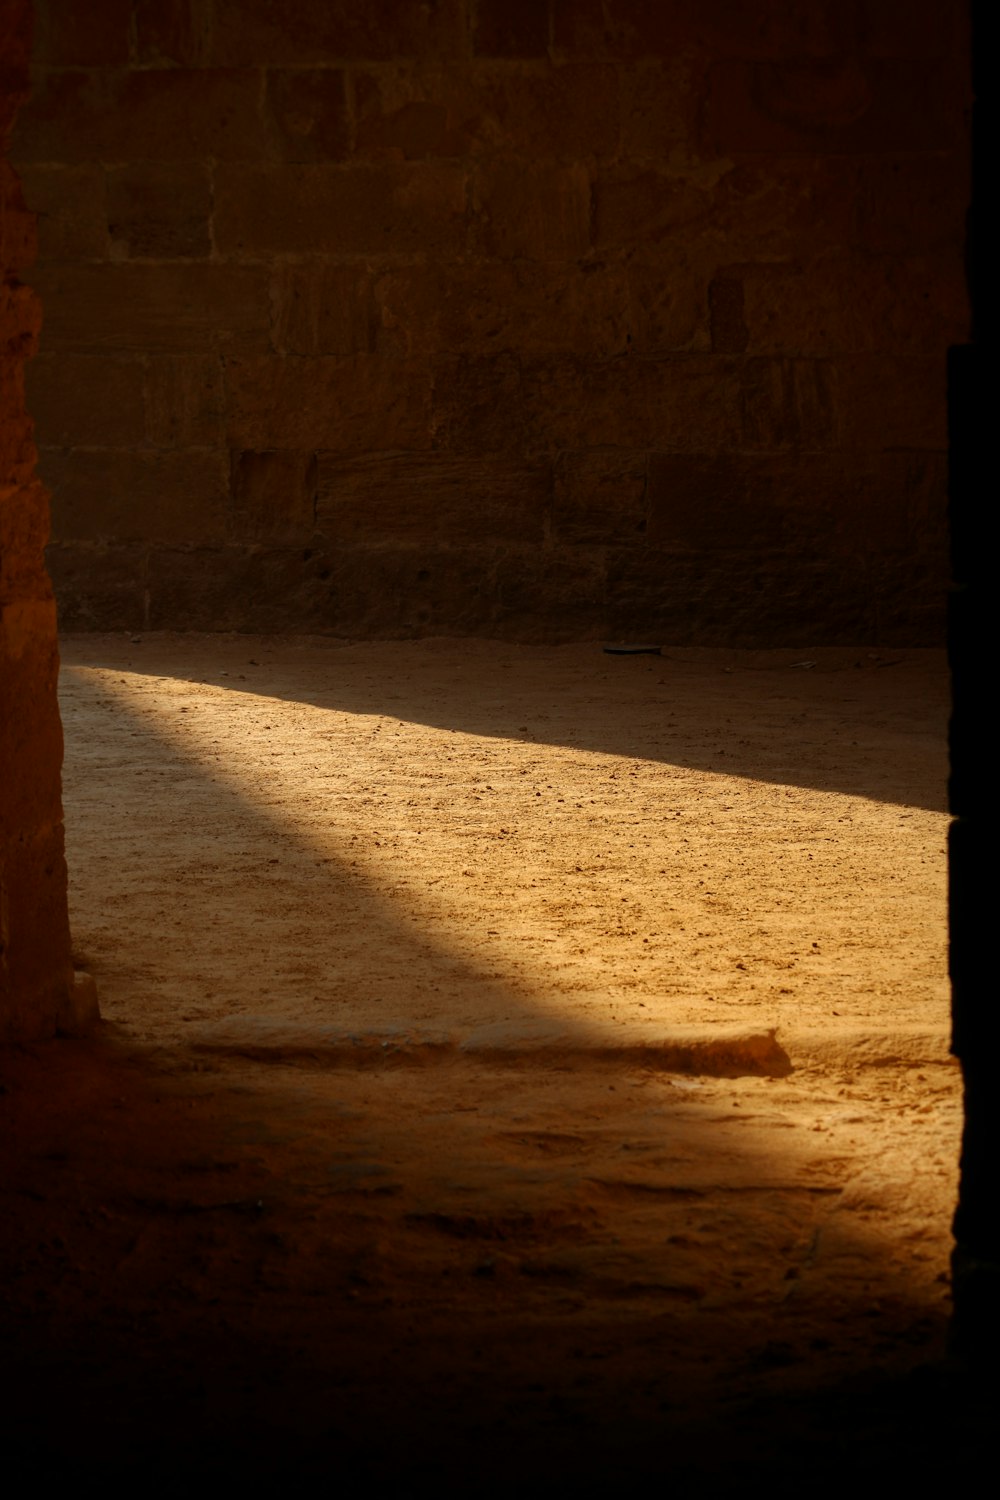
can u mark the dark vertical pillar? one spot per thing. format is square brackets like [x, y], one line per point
[973, 833]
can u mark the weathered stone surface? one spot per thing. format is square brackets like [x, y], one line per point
[35, 967]
[72, 212]
[274, 496]
[149, 114]
[307, 114]
[346, 405]
[323, 309]
[127, 495]
[484, 305]
[411, 112]
[619, 28]
[68, 35]
[159, 212]
[184, 401]
[511, 28]
[259, 33]
[909, 205]
[832, 104]
[142, 308]
[92, 399]
[171, 33]
[535, 211]
[561, 593]
[893, 402]
[411, 497]
[362, 209]
[789, 403]
[637, 207]
[100, 587]
[600, 497]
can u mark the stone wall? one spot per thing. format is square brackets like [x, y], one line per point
[35, 968]
[532, 318]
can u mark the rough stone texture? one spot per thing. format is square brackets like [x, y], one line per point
[36, 974]
[637, 309]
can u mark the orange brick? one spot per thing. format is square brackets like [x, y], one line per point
[72, 211]
[341, 404]
[264, 33]
[146, 308]
[127, 495]
[427, 497]
[323, 309]
[374, 208]
[534, 210]
[307, 114]
[159, 210]
[151, 114]
[88, 399]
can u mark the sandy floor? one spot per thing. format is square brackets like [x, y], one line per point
[550, 1039]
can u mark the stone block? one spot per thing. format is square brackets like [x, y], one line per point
[375, 208]
[534, 210]
[38, 971]
[600, 498]
[17, 449]
[637, 207]
[707, 503]
[274, 497]
[172, 33]
[148, 114]
[431, 498]
[781, 207]
[619, 28]
[93, 400]
[99, 587]
[185, 405]
[917, 29]
[750, 599]
[18, 226]
[88, 36]
[306, 112]
[132, 496]
[20, 320]
[488, 305]
[660, 103]
[668, 302]
[153, 308]
[341, 404]
[72, 211]
[24, 530]
[807, 28]
[727, 312]
[510, 28]
[909, 599]
[789, 403]
[550, 404]
[830, 105]
[549, 594]
[159, 211]
[889, 401]
[911, 205]
[411, 112]
[321, 308]
[265, 33]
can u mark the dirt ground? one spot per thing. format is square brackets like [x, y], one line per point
[524, 1058]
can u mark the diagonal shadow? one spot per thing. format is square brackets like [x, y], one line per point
[840, 720]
